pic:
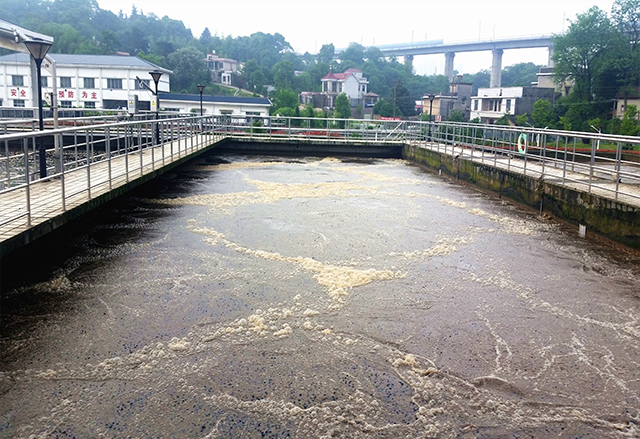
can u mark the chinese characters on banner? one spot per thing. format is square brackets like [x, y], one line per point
[17, 93]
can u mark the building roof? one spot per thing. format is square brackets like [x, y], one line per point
[342, 76]
[216, 99]
[89, 60]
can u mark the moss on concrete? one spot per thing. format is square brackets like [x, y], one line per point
[615, 220]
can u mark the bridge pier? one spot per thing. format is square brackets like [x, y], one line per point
[496, 68]
[448, 65]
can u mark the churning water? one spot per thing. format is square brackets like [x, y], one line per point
[249, 297]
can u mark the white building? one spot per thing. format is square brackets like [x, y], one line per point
[215, 105]
[83, 81]
[351, 82]
[222, 69]
[493, 103]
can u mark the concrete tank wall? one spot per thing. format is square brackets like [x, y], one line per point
[613, 219]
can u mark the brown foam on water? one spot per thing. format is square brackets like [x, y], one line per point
[442, 401]
[338, 279]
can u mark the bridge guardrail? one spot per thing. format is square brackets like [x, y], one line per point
[608, 165]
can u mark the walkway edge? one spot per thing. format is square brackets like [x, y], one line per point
[613, 219]
[9, 245]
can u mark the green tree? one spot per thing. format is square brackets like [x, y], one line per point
[384, 108]
[327, 51]
[342, 107]
[456, 116]
[205, 37]
[354, 53]
[522, 120]
[504, 120]
[626, 18]
[285, 99]
[629, 126]
[542, 113]
[404, 101]
[518, 75]
[283, 74]
[585, 51]
[189, 69]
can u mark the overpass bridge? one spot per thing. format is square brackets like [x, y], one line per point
[497, 46]
[541, 167]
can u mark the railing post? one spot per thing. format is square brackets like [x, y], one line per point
[544, 149]
[564, 162]
[62, 188]
[592, 162]
[127, 141]
[27, 180]
[618, 160]
[139, 127]
[88, 165]
[107, 147]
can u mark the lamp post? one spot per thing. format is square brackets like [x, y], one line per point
[156, 74]
[38, 50]
[201, 88]
[431, 97]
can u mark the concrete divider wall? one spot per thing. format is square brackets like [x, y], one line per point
[613, 219]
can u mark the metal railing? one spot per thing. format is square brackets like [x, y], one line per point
[96, 155]
[86, 162]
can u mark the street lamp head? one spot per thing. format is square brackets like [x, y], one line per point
[201, 88]
[38, 48]
[431, 97]
[156, 74]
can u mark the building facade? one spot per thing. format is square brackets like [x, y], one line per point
[351, 82]
[493, 103]
[216, 105]
[457, 99]
[223, 70]
[82, 81]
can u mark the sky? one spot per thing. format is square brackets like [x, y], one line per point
[308, 24]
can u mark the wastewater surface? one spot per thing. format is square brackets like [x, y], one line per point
[251, 297]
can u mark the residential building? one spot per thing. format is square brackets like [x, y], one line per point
[351, 82]
[215, 105]
[82, 81]
[547, 80]
[633, 98]
[457, 99]
[493, 103]
[223, 70]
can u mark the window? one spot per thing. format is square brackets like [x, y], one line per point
[509, 105]
[226, 112]
[89, 105]
[141, 87]
[17, 80]
[65, 104]
[65, 82]
[45, 81]
[475, 105]
[18, 102]
[114, 83]
[89, 83]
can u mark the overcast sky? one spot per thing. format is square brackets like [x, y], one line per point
[308, 24]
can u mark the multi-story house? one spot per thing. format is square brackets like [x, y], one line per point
[457, 99]
[493, 103]
[82, 81]
[351, 82]
[222, 70]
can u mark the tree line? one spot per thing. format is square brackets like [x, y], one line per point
[598, 56]
[598, 60]
[82, 27]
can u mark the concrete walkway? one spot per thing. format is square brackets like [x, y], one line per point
[575, 175]
[37, 208]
